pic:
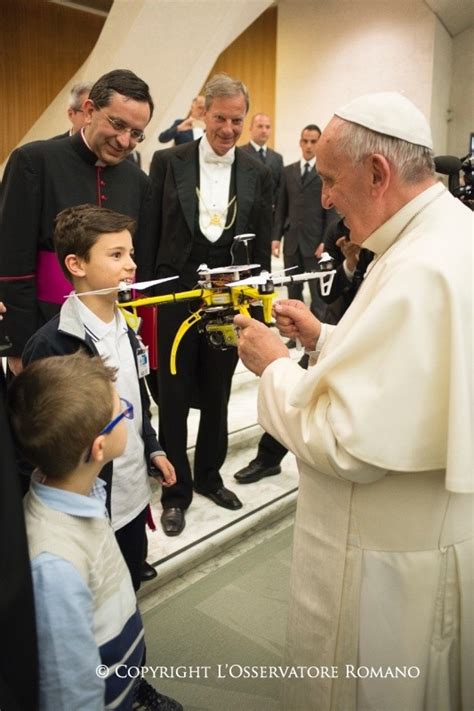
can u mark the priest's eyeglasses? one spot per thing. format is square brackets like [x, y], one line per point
[121, 127]
[127, 412]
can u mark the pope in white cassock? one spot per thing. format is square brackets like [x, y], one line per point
[381, 425]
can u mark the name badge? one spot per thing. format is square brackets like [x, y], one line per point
[143, 362]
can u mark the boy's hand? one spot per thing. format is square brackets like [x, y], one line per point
[166, 468]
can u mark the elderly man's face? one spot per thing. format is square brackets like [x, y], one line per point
[224, 122]
[77, 116]
[197, 107]
[346, 186]
[108, 129]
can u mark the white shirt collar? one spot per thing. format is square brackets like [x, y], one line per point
[205, 148]
[257, 147]
[312, 163]
[95, 327]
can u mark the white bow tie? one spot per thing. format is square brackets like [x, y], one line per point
[226, 159]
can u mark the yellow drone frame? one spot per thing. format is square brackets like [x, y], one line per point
[237, 297]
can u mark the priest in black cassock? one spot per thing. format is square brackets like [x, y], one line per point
[44, 177]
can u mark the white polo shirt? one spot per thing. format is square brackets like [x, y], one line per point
[131, 490]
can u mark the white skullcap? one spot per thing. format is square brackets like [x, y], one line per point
[391, 114]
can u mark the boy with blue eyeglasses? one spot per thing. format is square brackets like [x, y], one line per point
[86, 610]
[94, 247]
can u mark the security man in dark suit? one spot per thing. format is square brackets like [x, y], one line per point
[259, 131]
[206, 192]
[300, 219]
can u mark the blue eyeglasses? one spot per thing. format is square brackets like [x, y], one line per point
[126, 412]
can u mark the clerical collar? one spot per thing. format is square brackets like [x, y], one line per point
[79, 144]
[205, 149]
[385, 235]
[97, 160]
[257, 147]
[311, 162]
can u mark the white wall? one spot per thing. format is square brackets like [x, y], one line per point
[462, 93]
[440, 114]
[329, 51]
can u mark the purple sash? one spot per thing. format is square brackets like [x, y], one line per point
[51, 284]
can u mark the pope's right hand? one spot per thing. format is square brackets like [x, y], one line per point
[295, 321]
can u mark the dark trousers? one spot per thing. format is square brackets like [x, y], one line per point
[131, 540]
[204, 379]
[295, 290]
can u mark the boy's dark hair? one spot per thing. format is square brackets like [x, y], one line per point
[78, 228]
[120, 81]
[57, 408]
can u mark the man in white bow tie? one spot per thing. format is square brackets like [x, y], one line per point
[206, 192]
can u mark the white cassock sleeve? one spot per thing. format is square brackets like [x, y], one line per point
[307, 432]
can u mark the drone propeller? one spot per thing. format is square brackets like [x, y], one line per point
[124, 286]
[204, 269]
[263, 278]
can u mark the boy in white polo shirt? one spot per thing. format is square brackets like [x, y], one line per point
[94, 247]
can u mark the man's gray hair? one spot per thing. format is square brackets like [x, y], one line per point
[222, 86]
[77, 93]
[412, 162]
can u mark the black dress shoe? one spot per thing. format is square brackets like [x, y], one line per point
[255, 471]
[172, 521]
[148, 572]
[223, 497]
[147, 698]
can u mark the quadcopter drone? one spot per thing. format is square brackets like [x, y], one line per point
[222, 292]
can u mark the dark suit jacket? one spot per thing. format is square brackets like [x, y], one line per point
[174, 173]
[341, 285]
[273, 161]
[172, 134]
[300, 218]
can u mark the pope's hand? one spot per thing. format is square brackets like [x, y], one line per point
[294, 320]
[258, 346]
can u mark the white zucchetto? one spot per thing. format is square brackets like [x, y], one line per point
[391, 114]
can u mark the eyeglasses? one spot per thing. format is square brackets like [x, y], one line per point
[126, 412]
[120, 127]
